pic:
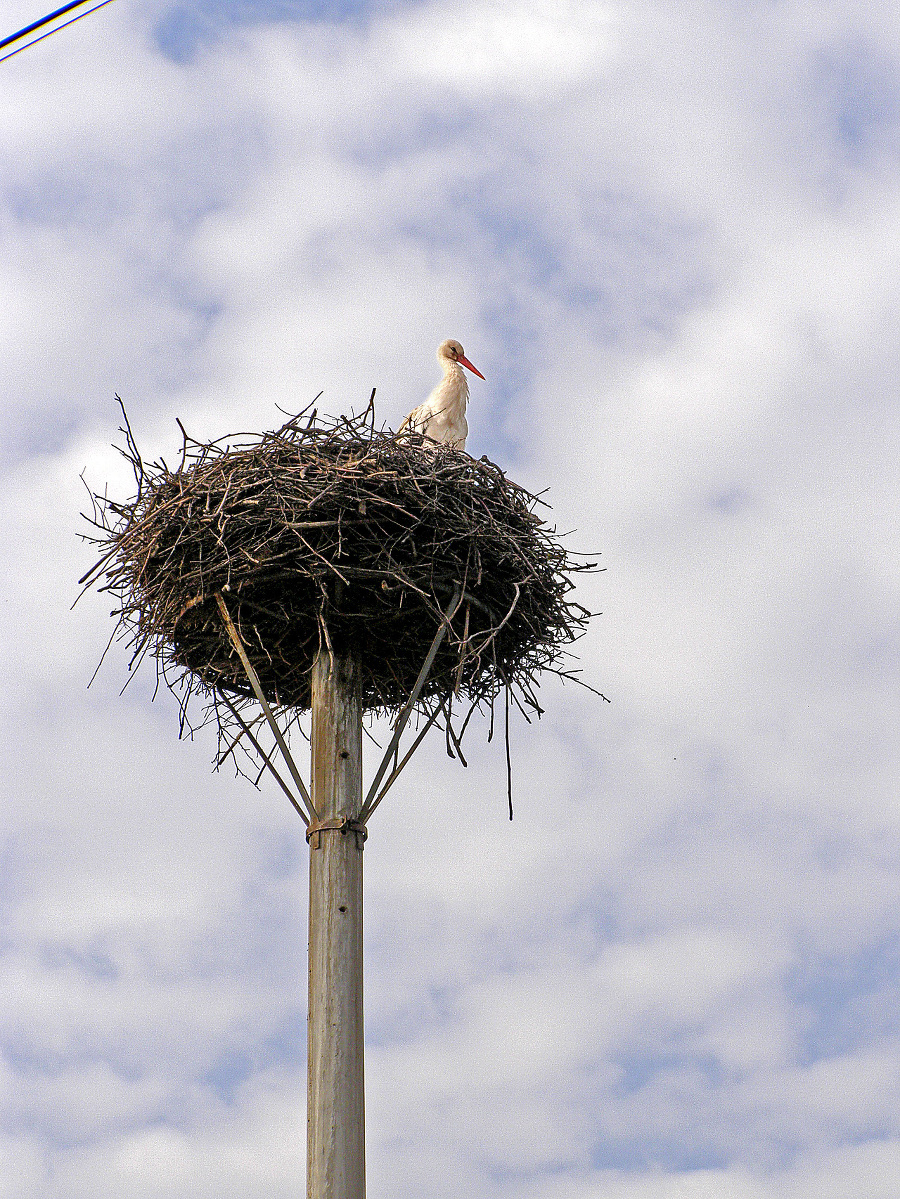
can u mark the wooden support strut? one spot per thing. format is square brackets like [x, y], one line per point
[374, 797]
[251, 674]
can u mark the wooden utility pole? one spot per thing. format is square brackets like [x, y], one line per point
[336, 1156]
[166, 562]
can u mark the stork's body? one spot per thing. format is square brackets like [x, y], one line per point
[443, 415]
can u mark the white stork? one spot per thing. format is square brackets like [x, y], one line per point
[443, 415]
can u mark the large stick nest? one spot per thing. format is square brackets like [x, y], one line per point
[330, 532]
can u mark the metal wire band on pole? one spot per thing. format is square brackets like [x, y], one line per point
[404, 716]
[254, 683]
[342, 825]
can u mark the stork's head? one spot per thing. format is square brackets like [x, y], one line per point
[452, 351]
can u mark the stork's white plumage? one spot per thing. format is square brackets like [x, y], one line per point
[443, 415]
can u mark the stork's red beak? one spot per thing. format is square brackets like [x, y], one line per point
[465, 362]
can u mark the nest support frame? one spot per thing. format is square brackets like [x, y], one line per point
[378, 788]
[235, 568]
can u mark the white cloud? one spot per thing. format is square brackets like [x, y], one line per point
[490, 50]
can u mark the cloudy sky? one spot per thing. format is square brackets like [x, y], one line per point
[668, 234]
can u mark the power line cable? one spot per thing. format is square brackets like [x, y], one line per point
[44, 21]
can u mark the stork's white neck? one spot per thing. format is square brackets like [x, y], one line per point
[454, 388]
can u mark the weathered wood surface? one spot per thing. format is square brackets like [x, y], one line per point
[336, 1164]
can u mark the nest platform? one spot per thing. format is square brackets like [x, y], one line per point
[331, 532]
